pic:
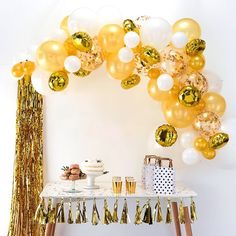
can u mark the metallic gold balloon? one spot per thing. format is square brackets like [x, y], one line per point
[130, 82]
[188, 26]
[189, 96]
[209, 153]
[69, 46]
[153, 73]
[58, 81]
[200, 144]
[207, 123]
[197, 62]
[111, 38]
[195, 47]
[150, 55]
[166, 135]
[173, 61]
[18, 70]
[129, 25]
[51, 55]
[82, 73]
[215, 103]
[64, 25]
[29, 67]
[218, 140]
[82, 41]
[117, 69]
[176, 114]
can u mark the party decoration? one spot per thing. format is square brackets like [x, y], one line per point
[130, 82]
[82, 41]
[78, 214]
[189, 96]
[166, 135]
[190, 156]
[187, 139]
[195, 47]
[18, 70]
[147, 217]
[131, 39]
[197, 62]
[181, 212]
[84, 213]
[125, 55]
[179, 39]
[72, 64]
[149, 55]
[165, 82]
[95, 215]
[115, 212]
[70, 216]
[215, 84]
[64, 24]
[168, 213]
[58, 81]
[107, 217]
[51, 56]
[124, 215]
[69, 46]
[153, 73]
[209, 153]
[158, 212]
[129, 26]
[200, 144]
[61, 212]
[138, 212]
[218, 140]
[82, 73]
[193, 213]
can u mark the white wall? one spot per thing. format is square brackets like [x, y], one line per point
[103, 121]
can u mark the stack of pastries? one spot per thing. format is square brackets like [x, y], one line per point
[72, 173]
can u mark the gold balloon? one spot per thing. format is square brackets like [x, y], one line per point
[218, 140]
[29, 67]
[207, 123]
[130, 82]
[64, 25]
[150, 55]
[111, 38]
[189, 96]
[209, 153]
[82, 41]
[200, 144]
[176, 114]
[82, 73]
[215, 103]
[197, 62]
[117, 69]
[129, 25]
[188, 26]
[70, 48]
[51, 56]
[154, 73]
[18, 70]
[195, 47]
[58, 81]
[166, 135]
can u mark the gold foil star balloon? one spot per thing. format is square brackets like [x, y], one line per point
[218, 140]
[150, 55]
[189, 96]
[58, 81]
[82, 41]
[130, 82]
[195, 47]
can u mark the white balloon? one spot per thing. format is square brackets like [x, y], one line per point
[131, 39]
[72, 64]
[59, 35]
[83, 19]
[190, 156]
[187, 139]
[126, 55]
[165, 82]
[179, 39]
[215, 84]
[156, 32]
[39, 81]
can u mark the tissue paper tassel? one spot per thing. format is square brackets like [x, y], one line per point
[138, 213]
[168, 213]
[95, 215]
[107, 217]
[158, 212]
[124, 216]
[115, 212]
[193, 212]
[70, 215]
[181, 213]
[51, 212]
[84, 213]
[147, 218]
[40, 214]
[78, 213]
[61, 214]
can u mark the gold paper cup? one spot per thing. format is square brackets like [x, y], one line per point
[131, 186]
[117, 187]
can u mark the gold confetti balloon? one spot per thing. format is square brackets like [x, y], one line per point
[129, 25]
[189, 96]
[82, 73]
[207, 123]
[18, 70]
[130, 82]
[195, 47]
[173, 61]
[209, 153]
[218, 140]
[166, 135]
[93, 59]
[82, 41]
[150, 55]
[58, 81]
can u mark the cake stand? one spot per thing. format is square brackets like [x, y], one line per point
[91, 176]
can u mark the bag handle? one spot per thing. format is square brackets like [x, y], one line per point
[165, 159]
[158, 160]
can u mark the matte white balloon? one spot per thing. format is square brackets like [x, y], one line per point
[215, 84]
[131, 39]
[83, 19]
[179, 39]
[72, 64]
[165, 82]
[126, 55]
[156, 32]
[187, 139]
[59, 35]
[190, 156]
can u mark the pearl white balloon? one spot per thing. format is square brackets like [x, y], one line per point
[83, 19]
[59, 35]
[126, 55]
[72, 64]
[190, 156]
[156, 32]
[165, 82]
[179, 39]
[39, 81]
[215, 84]
[131, 39]
[187, 139]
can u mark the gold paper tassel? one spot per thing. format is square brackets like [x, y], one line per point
[70, 215]
[193, 212]
[78, 213]
[84, 213]
[61, 214]
[181, 213]
[40, 214]
[95, 214]
[51, 212]
[124, 216]
[107, 217]
[138, 213]
[115, 212]
[168, 213]
[147, 218]
[158, 212]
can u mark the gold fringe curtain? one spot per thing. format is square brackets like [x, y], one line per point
[28, 165]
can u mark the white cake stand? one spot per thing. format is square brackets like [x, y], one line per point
[91, 176]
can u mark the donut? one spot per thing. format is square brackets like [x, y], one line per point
[75, 171]
[73, 177]
[74, 166]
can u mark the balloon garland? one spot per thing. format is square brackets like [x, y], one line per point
[171, 57]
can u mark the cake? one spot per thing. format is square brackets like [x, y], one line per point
[92, 166]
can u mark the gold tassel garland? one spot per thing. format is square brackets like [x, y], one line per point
[95, 215]
[107, 217]
[147, 218]
[40, 214]
[193, 212]
[115, 212]
[168, 213]
[181, 213]
[78, 216]
[158, 212]
[51, 212]
[61, 213]
[70, 216]
[124, 216]
[84, 213]
[138, 213]
[28, 164]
